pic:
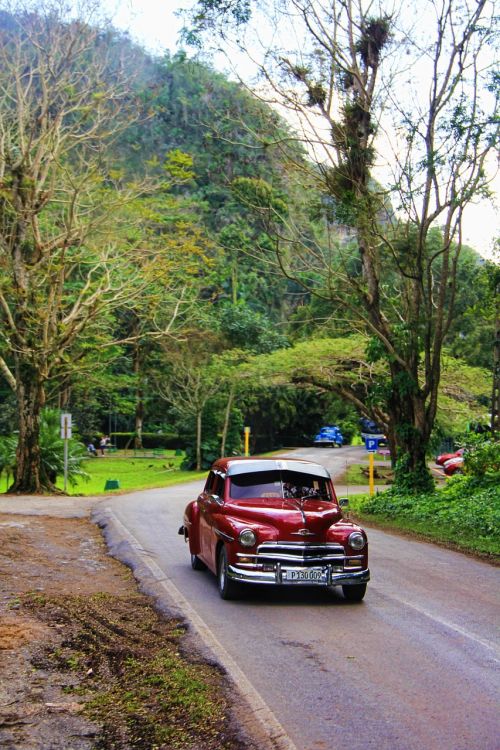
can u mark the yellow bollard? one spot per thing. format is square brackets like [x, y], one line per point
[247, 441]
[372, 483]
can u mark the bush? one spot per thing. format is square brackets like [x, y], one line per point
[209, 453]
[465, 512]
[51, 451]
[481, 455]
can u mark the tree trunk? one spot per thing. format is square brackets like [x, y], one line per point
[139, 420]
[407, 410]
[139, 400]
[30, 477]
[234, 281]
[198, 441]
[227, 416]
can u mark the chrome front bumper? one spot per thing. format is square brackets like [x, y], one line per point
[275, 577]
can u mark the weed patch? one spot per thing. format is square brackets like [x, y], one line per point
[124, 663]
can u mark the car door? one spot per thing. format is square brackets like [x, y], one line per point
[209, 502]
[203, 517]
[215, 502]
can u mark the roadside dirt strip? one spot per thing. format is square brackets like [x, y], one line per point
[132, 554]
[71, 625]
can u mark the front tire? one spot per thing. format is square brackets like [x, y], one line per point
[228, 589]
[197, 564]
[354, 593]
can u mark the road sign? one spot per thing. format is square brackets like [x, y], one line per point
[65, 434]
[65, 426]
[371, 444]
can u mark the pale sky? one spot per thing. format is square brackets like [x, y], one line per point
[154, 24]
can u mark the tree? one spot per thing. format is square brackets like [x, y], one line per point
[188, 387]
[495, 397]
[67, 264]
[352, 94]
[179, 248]
[340, 366]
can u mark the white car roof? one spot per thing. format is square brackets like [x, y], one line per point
[247, 466]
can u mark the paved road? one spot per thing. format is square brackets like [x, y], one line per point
[414, 667]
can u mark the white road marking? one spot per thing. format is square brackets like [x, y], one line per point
[260, 711]
[446, 623]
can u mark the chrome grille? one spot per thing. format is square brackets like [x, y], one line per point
[299, 553]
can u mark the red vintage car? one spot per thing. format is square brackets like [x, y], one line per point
[274, 521]
[444, 457]
[454, 466]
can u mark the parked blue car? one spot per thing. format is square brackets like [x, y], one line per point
[329, 436]
[370, 429]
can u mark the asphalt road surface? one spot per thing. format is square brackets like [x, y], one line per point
[413, 667]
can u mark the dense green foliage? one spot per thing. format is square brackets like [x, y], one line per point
[465, 513]
[198, 239]
[395, 279]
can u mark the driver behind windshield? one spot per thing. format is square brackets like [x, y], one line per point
[279, 484]
[292, 491]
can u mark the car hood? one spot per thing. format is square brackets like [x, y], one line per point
[316, 516]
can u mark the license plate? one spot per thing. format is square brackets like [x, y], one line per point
[305, 575]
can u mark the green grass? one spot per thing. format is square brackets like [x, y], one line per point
[133, 473]
[357, 474]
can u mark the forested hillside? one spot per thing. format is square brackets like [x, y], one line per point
[162, 235]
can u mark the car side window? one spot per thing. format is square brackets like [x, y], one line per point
[209, 482]
[218, 486]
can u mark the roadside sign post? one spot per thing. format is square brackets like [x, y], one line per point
[65, 434]
[247, 441]
[371, 445]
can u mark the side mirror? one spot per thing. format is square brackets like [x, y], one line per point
[217, 499]
[343, 502]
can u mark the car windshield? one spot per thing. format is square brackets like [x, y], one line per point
[279, 484]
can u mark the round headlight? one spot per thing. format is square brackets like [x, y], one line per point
[356, 540]
[247, 538]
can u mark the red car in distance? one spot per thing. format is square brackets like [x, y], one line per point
[274, 522]
[444, 457]
[453, 466]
